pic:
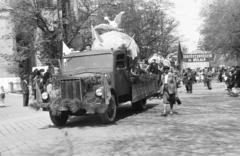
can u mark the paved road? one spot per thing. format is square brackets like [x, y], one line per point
[208, 123]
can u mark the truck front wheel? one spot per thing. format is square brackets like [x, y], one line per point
[109, 115]
[59, 119]
[139, 105]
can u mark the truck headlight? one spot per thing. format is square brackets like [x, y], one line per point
[99, 92]
[44, 95]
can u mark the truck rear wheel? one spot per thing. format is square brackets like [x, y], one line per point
[59, 119]
[109, 116]
[140, 105]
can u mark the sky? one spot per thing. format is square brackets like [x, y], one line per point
[187, 13]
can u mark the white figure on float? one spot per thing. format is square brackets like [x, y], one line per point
[112, 25]
[113, 39]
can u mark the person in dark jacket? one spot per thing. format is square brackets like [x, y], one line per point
[25, 90]
[188, 80]
[237, 77]
[153, 67]
[209, 77]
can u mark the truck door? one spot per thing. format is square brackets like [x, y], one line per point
[122, 84]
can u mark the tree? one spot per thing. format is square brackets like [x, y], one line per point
[29, 17]
[152, 28]
[221, 33]
[148, 21]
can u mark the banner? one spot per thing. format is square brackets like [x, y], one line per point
[201, 57]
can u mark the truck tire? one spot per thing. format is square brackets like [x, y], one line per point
[140, 105]
[60, 119]
[109, 116]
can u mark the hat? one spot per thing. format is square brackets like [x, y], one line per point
[166, 62]
[166, 67]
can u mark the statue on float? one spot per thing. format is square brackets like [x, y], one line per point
[113, 38]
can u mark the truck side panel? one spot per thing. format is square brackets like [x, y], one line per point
[143, 90]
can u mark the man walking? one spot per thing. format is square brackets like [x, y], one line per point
[209, 76]
[188, 80]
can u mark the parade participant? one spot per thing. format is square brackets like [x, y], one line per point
[201, 75]
[220, 76]
[88, 47]
[209, 76]
[33, 81]
[2, 94]
[177, 79]
[205, 76]
[237, 78]
[188, 80]
[153, 67]
[169, 90]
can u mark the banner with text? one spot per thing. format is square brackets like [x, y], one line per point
[204, 57]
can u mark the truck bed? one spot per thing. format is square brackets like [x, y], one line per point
[144, 89]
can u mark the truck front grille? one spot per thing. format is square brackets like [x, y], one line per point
[71, 88]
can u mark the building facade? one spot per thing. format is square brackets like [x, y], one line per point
[7, 38]
[7, 47]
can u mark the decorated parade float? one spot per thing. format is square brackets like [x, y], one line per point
[99, 80]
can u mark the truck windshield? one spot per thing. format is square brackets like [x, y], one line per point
[89, 63]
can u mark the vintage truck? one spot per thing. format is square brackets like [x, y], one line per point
[97, 82]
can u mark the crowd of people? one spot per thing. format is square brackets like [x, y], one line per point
[38, 83]
[231, 77]
[169, 80]
[189, 77]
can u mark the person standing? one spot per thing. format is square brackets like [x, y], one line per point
[169, 90]
[209, 77]
[25, 90]
[2, 94]
[205, 77]
[220, 76]
[188, 80]
[237, 81]
[153, 67]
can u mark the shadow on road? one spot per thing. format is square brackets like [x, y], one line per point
[94, 120]
[124, 112]
[3, 106]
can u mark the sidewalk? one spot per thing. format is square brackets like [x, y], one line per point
[16, 119]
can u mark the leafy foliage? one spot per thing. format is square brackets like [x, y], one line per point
[40, 28]
[221, 28]
[152, 28]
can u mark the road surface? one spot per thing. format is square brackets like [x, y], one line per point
[207, 123]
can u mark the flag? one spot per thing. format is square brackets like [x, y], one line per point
[65, 50]
[180, 56]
